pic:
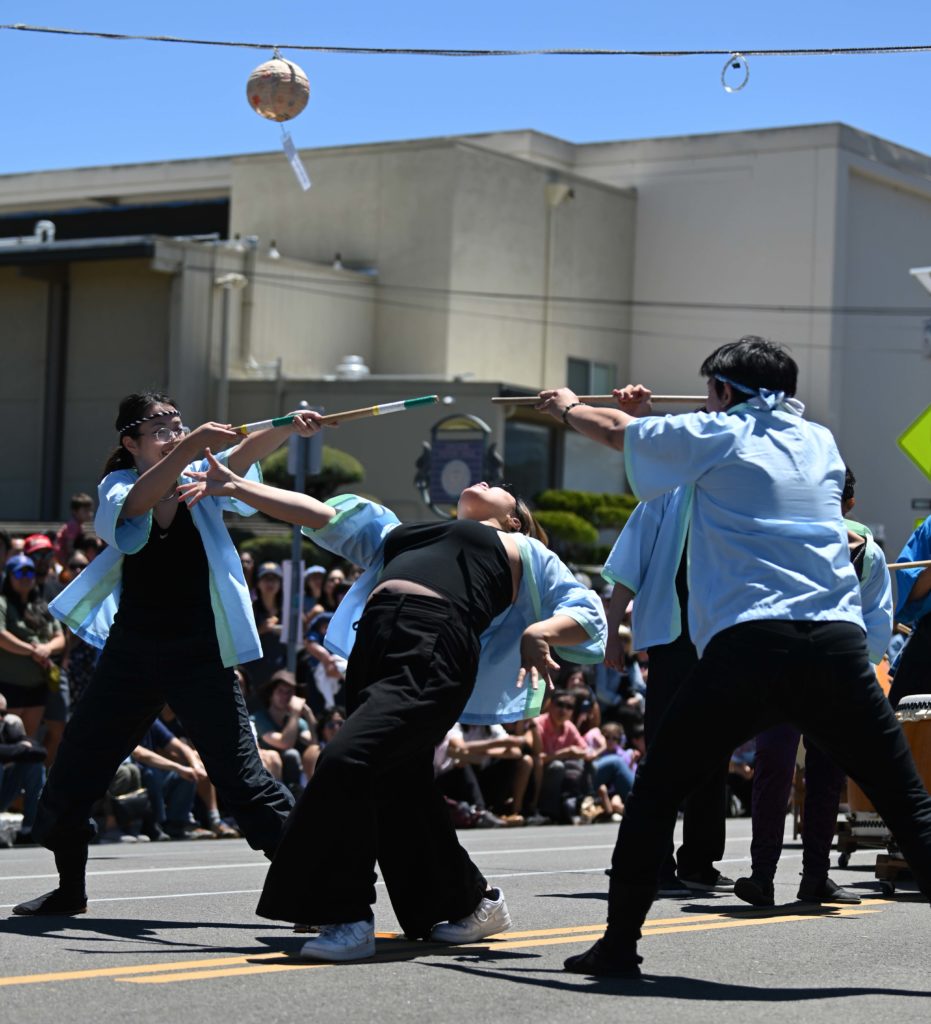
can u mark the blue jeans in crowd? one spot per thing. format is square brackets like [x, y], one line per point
[613, 771]
[27, 779]
[171, 796]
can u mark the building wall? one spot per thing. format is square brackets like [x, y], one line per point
[886, 369]
[117, 344]
[22, 384]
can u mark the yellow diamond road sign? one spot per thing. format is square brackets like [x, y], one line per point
[915, 441]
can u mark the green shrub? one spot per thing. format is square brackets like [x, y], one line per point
[340, 469]
[278, 549]
[566, 529]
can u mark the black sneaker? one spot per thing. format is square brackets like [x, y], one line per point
[53, 904]
[672, 886]
[709, 880]
[825, 891]
[758, 892]
[598, 962]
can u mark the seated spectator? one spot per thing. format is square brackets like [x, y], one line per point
[740, 780]
[267, 611]
[491, 769]
[329, 724]
[328, 669]
[612, 774]
[530, 744]
[564, 755]
[248, 572]
[621, 693]
[285, 723]
[6, 542]
[22, 770]
[82, 511]
[170, 771]
[334, 588]
[41, 550]
[270, 759]
[313, 591]
[89, 545]
[29, 639]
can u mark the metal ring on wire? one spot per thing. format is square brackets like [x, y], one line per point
[735, 62]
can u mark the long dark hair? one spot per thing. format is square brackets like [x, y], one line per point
[34, 610]
[132, 407]
[528, 523]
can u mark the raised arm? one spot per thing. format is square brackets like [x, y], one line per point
[261, 444]
[600, 424]
[221, 481]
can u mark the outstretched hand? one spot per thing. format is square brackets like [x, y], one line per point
[554, 401]
[217, 480]
[306, 423]
[535, 660]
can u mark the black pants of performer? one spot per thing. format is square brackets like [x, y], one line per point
[815, 675]
[373, 796]
[705, 809]
[137, 674]
[913, 674]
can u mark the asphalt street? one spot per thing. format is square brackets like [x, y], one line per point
[171, 936]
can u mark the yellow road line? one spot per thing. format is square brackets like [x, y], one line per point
[222, 967]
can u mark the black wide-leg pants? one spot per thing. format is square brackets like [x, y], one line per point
[137, 674]
[373, 796]
[816, 676]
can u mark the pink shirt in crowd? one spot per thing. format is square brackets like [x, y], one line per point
[558, 739]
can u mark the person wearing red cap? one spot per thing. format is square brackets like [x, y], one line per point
[41, 550]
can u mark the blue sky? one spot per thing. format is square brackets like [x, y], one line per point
[77, 102]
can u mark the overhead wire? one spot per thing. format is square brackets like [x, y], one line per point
[416, 51]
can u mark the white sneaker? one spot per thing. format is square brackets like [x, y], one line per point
[488, 918]
[339, 942]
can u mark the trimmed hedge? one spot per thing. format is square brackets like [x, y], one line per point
[339, 470]
[574, 518]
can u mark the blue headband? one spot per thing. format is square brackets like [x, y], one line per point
[763, 398]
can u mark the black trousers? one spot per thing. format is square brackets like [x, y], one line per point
[818, 677]
[913, 674]
[705, 808]
[373, 796]
[137, 674]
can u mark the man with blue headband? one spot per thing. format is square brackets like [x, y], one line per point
[774, 612]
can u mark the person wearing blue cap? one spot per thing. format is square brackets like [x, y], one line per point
[774, 611]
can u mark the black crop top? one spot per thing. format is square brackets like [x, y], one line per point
[464, 560]
[166, 584]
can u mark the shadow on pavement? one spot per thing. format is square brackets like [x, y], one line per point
[124, 930]
[652, 986]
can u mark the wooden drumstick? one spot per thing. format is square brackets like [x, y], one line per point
[534, 400]
[910, 565]
[334, 418]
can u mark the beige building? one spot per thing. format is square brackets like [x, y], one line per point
[465, 267]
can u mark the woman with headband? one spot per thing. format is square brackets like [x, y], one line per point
[167, 602]
[444, 625]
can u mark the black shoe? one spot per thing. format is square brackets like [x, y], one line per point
[825, 891]
[758, 892]
[24, 839]
[598, 962]
[672, 886]
[54, 903]
[708, 880]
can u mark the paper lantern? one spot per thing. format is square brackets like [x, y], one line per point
[278, 90]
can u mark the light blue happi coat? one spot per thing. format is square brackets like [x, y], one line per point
[87, 606]
[766, 539]
[357, 533]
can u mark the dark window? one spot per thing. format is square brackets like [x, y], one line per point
[529, 460]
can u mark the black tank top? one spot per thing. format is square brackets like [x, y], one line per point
[464, 560]
[166, 585]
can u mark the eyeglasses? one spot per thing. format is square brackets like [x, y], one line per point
[25, 573]
[165, 434]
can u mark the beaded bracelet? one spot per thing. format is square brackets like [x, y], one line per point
[565, 411]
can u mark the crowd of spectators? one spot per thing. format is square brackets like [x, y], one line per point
[573, 763]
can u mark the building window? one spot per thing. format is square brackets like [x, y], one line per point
[586, 377]
[529, 460]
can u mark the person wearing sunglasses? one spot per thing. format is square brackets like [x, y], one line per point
[446, 624]
[29, 638]
[167, 603]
